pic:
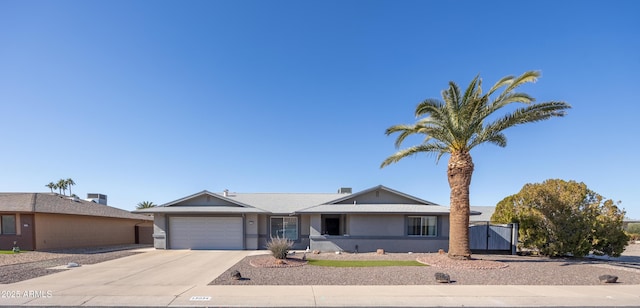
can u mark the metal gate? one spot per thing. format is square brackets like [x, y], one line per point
[488, 238]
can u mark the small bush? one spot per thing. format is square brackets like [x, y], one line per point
[279, 247]
[633, 228]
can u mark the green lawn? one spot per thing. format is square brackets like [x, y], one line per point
[343, 263]
[6, 252]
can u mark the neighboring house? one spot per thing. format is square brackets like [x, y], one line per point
[45, 221]
[376, 218]
[485, 213]
[626, 221]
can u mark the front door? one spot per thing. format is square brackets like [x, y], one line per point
[26, 237]
[332, 226]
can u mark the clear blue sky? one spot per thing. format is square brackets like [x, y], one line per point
[156, 100]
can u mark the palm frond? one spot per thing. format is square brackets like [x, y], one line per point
[457, 122]
[405, 130]
[505, 81]
[526, 77]
[398, 128]
[429, 148]
[428, 106]
[529, 114]
[497, 138]
[471, 89]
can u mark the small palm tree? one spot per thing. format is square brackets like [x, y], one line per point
[456, 125]
[51, 186]
[145, 205]
[69, 182]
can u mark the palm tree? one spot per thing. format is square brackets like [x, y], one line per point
[456, 125]
[51, 186]
[62, 185]
[145, 205]
[69, 182]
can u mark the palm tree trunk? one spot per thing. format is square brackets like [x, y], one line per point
[459, 172]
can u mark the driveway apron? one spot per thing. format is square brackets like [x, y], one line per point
[160, 275]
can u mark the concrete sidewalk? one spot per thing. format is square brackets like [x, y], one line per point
[337, 296]
[178, 278]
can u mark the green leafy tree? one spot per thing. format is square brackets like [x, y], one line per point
[559, 218]
[145, 205]
[460, 122]
[505, 211]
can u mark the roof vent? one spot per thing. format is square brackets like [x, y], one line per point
[345, 190]
[225, 193]
[97, 198]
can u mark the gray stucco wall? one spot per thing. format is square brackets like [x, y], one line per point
[379, 197]
[375, 225]
[304, 222]
[159, 231]
[251, 231]
[263, 234]
[443, 226]
[372, 232]
[370, 244]
[206, 200]
[315, 224]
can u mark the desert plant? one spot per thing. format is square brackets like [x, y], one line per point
[279, 247]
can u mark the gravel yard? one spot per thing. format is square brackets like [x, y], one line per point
[520, 270]
[32, 264]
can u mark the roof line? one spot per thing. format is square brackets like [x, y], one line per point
[383, 188]
[393, 191]
[206, 192]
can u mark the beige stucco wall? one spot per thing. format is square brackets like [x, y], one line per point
[55, 231]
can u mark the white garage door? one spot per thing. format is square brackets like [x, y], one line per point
[205, 232]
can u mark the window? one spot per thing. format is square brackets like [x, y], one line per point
[284, 227]
[422, 225]
[8, 224]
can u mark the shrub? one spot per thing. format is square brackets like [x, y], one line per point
[279, 247]
[564, 218]
[634, 228]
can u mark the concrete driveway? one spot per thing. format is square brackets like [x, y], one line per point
[154, 277]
